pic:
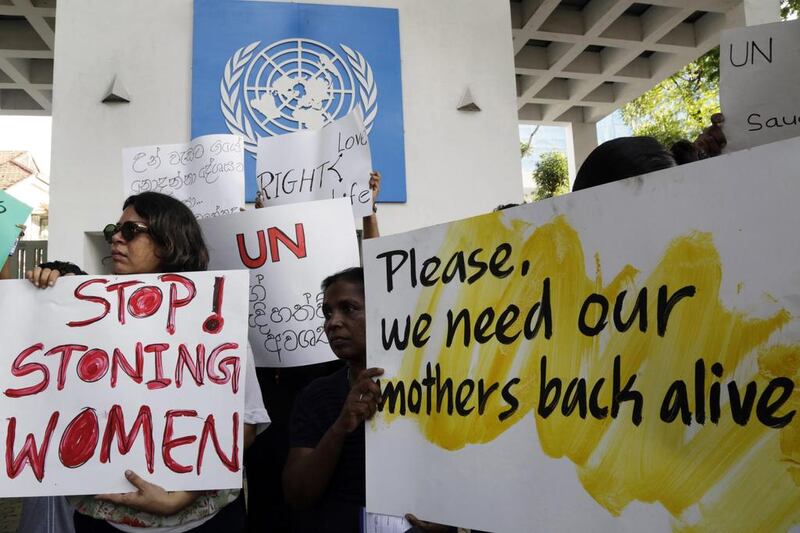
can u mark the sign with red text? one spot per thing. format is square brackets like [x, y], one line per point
[206, 174]
[759, 86]
[622, 358]
[104, 374]
[320, 164]
[289, 250]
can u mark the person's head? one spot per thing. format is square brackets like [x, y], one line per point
[503, 207]
[622, 158]
[156, 233]
[343, 309]
[684, 152]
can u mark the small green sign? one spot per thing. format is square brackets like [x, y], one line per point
[12, 212]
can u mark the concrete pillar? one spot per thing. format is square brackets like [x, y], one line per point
[761, 12]
[581, 140]
[754, 12]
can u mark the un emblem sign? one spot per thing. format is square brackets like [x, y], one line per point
[294, 84]
[261, 69]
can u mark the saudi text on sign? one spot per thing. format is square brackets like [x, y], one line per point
[622, 358]
[760, 83]
[101, 375]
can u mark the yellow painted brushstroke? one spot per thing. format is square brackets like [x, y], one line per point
[707, 478]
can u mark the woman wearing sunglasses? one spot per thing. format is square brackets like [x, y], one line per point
[157, 234]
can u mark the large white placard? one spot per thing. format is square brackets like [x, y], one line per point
[332, 162]
[623, 358]
[760, 83]
[104, 374]
[206, 174]
[289, 250]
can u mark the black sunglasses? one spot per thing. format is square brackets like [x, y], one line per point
[128, 229]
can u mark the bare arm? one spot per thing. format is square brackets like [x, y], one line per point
[308, 470]
[5, 273]
[150, 497]
[370, 223]
[249, 435]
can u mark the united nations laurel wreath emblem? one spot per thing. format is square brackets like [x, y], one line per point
[294, 84]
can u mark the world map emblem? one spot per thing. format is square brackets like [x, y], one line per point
[294, 84]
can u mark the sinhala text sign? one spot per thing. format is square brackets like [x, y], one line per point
[206, 174]
[619, 359]
[289, 250]
[104, 374]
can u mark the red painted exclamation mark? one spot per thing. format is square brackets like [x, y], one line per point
[213, 324]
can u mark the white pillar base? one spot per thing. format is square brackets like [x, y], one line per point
[581, 140]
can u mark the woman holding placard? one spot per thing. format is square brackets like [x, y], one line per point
[155, 234]
[280, 387]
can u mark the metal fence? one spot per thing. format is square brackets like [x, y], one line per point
[29, 254]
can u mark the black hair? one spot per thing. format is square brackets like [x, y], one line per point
[622, 158]
[503, 207]
[684, 152]
[350, 275]
[174, 229]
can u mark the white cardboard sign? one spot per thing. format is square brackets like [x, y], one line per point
[623, 358]
[332, 162]
[206, 174]
[760, 83]
[289, 250]
[104, 374]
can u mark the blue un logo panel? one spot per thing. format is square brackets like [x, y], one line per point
[265, 69]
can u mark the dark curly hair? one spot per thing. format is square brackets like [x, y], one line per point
[622, 158]
[174, 229]
[350, 275]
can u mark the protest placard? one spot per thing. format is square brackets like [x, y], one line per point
[759, 87]
[623, 358]
[106, 374]
[289, 250]
[206, 174]
[12, 212]
[332, 162]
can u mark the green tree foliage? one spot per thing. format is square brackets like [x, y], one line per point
[681, 106]
[790, 8]
[551, 175]
[525, 148]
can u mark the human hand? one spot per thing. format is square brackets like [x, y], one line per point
[151, 498]
[43, 277]
[427, 526]
[374, 186]
[361, 402]
[259, 200]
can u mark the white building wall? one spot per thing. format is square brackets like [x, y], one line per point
[458, 164]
